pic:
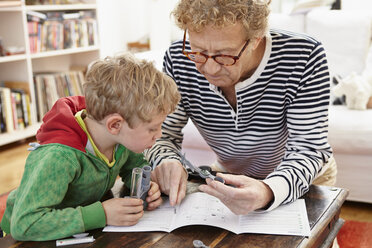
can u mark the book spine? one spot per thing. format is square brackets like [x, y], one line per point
[14, 111]
[26, 120]
[19, 111]
[8, 109]
[2, 114]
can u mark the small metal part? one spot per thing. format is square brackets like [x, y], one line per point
[199, 244]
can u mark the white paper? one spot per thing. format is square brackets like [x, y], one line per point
[202, 209]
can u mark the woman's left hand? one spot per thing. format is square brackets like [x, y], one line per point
[247, 195]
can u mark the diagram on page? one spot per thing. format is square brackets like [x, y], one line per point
[202, 209]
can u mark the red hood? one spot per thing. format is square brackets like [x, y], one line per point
[59, 124]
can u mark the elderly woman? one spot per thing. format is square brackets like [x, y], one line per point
[258, 97]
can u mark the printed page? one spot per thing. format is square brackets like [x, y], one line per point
[289, 219]
[159, 219]
[202, 209]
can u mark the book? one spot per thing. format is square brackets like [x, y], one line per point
[2, 114]
[19, 114]
[203, 209]
[21, 94]
[7, 107]
[36, 16]
[14, 110]
[40, 96]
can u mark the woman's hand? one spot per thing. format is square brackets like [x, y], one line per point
[248, 194]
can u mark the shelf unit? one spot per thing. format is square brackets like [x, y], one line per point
[21, 67]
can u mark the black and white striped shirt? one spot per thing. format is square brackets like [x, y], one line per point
[279, 129]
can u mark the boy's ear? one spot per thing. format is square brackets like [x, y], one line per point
[114, 123]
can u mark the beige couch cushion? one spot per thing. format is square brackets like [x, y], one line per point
[350, 131]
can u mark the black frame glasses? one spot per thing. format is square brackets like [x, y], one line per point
[201, 58]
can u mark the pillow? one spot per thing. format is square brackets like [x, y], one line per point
[346, 36]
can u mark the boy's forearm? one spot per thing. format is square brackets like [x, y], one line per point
[55, 224]
[46, 224]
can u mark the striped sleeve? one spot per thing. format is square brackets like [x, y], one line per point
[307, 147]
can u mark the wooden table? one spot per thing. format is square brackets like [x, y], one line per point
[323, 208]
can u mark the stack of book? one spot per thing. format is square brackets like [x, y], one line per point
[15, 111]
[61, 30]
[49, 87]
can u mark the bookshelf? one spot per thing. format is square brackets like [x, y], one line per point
[26, 62]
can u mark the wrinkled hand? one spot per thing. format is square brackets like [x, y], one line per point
[123, 211]
[248, 195]
[153, 197]
[172, 179]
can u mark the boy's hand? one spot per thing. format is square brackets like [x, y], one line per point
[172, 179]
[153, 197]
[123, 211]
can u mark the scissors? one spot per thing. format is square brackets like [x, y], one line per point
[203, 173]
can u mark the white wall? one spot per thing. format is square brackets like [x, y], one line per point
[123, 21]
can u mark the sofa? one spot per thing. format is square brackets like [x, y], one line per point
[346, 36]
[350, 134]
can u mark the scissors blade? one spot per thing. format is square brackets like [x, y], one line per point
[188, 163]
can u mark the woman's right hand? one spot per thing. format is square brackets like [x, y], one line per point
[172, 179]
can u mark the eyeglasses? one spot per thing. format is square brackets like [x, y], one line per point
[198, 57]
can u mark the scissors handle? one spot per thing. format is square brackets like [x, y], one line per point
[220, 179]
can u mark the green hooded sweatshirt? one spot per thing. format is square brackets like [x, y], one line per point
[63, 181]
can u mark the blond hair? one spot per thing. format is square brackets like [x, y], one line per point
[128, 86]
[196, 14]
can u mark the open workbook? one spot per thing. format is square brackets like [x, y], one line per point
[203, 209]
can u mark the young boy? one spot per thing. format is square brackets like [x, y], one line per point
[85, 143]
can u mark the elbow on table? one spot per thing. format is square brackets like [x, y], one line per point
[19, 235]
[21, 232]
